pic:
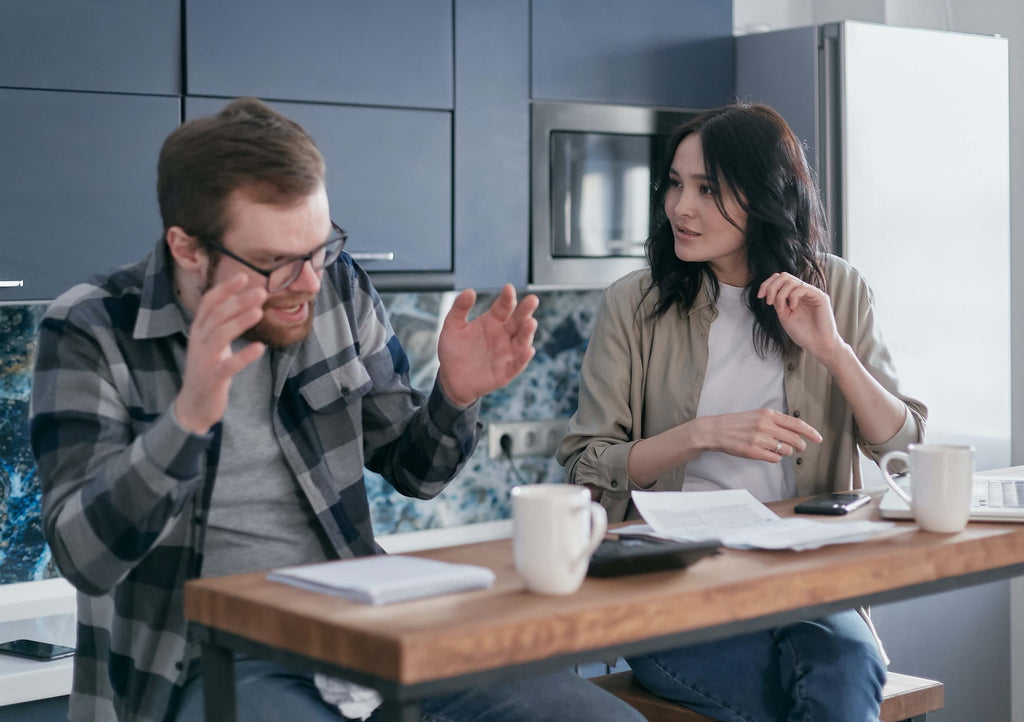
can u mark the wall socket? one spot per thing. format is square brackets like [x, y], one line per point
[529, 438]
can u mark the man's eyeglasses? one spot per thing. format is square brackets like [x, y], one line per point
[284, 274]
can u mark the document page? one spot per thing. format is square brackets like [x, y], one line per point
[738, 520]
[701, 514]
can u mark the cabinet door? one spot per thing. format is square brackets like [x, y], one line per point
[121, 46]
[385, 52]
[492, 143]
[389, 178]
[77, 185]
[676, 53]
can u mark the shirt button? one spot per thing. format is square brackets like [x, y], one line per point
[198, 518]
[799, 460]
[791, 366]
[345, 389]
[614, 483]
[179, 666]
[796, 414]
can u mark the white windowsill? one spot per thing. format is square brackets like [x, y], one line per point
[451, 536]
[44, 611]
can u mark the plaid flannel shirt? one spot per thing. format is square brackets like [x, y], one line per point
[126, 490]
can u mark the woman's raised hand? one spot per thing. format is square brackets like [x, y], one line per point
[805, 313]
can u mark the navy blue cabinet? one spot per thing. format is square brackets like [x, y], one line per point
[389, 178]
[385, 52]
[77, 185]
[122, 46]
[676, 53]
[421, 108]
[492, 142]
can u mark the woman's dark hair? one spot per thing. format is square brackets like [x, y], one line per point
[750, 151]
[246, 145]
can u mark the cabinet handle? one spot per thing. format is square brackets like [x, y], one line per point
[382, 256]
[11, 284]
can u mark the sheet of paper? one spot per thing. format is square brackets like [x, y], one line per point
[701, 515]
[740, 521]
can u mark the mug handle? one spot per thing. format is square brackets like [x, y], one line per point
[883, 464]
[598, 527]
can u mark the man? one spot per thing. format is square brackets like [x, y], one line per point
[209, 411]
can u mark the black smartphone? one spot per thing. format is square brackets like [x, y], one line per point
[836, 503]
[637, 555]
[43, 651]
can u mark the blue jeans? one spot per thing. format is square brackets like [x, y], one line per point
[824, 670]
[272, 692]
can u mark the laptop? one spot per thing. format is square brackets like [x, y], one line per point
[997, 497]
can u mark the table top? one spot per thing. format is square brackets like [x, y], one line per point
[455, 635]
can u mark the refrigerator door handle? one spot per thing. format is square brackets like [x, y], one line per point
[830, 124]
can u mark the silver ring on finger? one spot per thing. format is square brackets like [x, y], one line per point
[778, 446]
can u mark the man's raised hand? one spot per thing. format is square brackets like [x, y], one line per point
[479, 356]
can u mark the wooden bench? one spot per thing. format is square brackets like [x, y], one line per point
[906, 699]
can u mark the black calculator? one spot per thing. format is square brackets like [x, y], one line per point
[638, 555]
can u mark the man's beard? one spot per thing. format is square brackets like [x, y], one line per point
[275, 336]
[271, 334]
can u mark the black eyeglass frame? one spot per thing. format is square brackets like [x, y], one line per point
[340, 234]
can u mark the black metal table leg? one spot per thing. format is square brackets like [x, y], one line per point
[393, 711]
[218, 684]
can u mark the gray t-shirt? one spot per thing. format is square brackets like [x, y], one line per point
[259, 517]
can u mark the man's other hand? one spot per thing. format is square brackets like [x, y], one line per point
[225, 312]
[479, 356]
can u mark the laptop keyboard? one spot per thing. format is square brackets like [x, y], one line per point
[1002, 494]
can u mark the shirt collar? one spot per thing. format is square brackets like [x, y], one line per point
[160, 311]
[703, 303]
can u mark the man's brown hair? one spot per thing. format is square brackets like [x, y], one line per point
[246, 145]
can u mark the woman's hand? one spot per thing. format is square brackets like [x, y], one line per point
[805, 313]
[762, 434]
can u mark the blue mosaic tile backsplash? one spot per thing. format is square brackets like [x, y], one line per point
[23, 552]
[547, 389]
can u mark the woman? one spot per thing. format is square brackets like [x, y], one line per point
[746, 357]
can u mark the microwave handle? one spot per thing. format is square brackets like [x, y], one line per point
[11, 284]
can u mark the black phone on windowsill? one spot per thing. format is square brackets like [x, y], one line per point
[30, 648]
[832, 504]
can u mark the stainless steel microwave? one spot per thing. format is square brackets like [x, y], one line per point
[592, 168]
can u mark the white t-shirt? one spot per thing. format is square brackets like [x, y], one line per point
[737, 379]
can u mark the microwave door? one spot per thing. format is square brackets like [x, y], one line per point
[600, 194]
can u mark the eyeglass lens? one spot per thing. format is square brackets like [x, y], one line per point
[327, 254]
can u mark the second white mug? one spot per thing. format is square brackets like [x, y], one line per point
[941, 482]
[556, 527]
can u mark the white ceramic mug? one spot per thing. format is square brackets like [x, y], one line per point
[941, 483]
[556, 527]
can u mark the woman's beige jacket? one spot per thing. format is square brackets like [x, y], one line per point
[639, 379]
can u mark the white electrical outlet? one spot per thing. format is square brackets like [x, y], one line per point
[529, 438]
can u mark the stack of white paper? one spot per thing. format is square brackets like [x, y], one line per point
[385, 579]
[740, 521]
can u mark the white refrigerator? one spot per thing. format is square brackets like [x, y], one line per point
[908, 130]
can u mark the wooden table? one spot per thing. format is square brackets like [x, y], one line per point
[440, 645]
